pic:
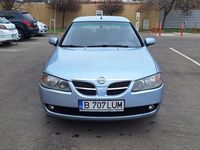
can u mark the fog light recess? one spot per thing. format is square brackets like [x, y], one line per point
[151, 107]
[51, 107]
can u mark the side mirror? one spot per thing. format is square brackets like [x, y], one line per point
[149, 41]
[53, 41]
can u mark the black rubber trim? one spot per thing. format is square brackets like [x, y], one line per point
[76, 112]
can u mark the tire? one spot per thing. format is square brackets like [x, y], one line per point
[21, 35]
[28, 37]
[7, 42]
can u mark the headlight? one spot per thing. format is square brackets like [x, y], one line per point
[148, 83]
[55, 83]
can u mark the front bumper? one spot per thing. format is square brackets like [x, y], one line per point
[43, 30]
[102, 118]
[68, 103]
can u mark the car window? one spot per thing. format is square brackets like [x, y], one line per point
[103, 34]
[4, 20]
[28, 16]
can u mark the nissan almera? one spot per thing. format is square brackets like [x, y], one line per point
[101, 69]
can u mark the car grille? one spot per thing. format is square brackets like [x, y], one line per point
[127, 111]
[85, 88]
[118, 88]
[90, 89]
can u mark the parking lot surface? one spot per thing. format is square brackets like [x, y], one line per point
[25, 126]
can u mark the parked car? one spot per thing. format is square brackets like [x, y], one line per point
[101, 70]
[24, 22]
[43, 29]
[8, 31]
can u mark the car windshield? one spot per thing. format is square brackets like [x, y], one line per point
[101, 34]
[4, 20]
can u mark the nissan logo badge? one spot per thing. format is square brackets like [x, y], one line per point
[101, 80]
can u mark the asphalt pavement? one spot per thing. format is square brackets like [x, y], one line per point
[25, 126]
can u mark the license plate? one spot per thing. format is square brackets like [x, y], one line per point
[14, 36]
[101, 106]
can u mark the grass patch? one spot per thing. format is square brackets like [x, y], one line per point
[187, 30]
[172, 30]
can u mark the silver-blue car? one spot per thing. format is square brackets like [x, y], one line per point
[101, 70]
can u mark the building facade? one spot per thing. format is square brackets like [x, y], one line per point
[177, 18]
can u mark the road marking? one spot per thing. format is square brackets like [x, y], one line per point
[197, 63]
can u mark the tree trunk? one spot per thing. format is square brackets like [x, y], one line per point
[167, 11]
[63, 19]
[164, 19]
[8, 4]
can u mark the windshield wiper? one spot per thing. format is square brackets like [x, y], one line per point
[125, 46]
[72, 46]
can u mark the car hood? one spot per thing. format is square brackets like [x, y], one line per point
[92, 63]
[41, 24]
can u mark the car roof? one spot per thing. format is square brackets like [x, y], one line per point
[13, 11]
[101, 18]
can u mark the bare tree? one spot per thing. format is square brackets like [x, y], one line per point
[187, 5]
[65, 6]
[111, 7]
[11, 4]
[168, 5]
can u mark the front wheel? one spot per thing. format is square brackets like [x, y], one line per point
[20, 35]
